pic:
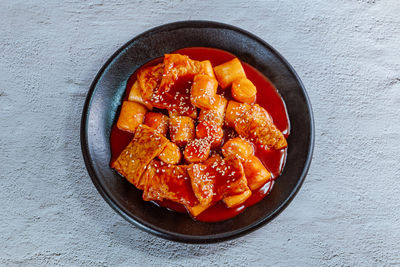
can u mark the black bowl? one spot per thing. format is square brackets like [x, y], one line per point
[105, 96]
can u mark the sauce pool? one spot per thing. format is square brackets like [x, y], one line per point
[267, 97]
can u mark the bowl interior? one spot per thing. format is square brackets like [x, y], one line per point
[105, 97]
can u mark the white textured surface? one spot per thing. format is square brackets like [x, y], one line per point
[347, 53]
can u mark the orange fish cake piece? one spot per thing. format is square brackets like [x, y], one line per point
[145, 146]
[217, 178]
[170, 182]
[235, 181]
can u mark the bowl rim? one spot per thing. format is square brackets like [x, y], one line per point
[147, 227]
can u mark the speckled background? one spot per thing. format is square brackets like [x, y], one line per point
[347, 53]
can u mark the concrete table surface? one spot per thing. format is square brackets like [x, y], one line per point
[347, 53]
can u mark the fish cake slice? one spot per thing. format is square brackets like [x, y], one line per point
[256, 125]
[168, 182]
[133, 160]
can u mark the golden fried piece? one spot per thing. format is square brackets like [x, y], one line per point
[237, 147]
[235, 200]
[171, 154]
[203, 91]
[243, 90]
[256, 125]
[181, 129]
[149, 80]
[166, 181]
[157, 121]
[145, 146]
[131, 116]
[229, 72]
[136, 96]
[256, 174]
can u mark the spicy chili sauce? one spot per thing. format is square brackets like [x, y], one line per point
[267, 97]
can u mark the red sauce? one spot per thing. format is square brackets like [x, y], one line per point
[267, 97]
[178, 97]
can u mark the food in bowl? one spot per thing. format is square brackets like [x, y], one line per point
[201, 132]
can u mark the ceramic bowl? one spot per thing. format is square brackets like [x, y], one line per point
[105, 96]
